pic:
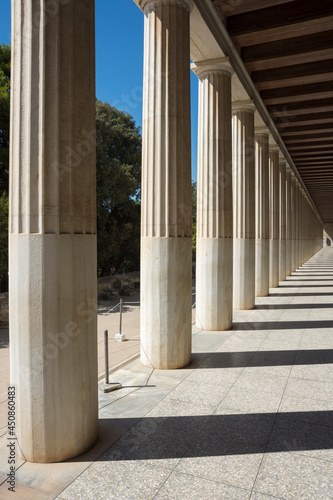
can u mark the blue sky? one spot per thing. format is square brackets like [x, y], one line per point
[119, 59]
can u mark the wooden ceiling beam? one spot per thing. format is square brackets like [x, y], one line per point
[291, 110]
[289, 124]
[283, 61]
[272, 17]
[312, 154]
[306, 129]
[231, 7]
[298, 90]
[317, 146]
[282, 32]
[293, 49]
[296, 71]
[299, 139]
[301, 80]
[297, 98]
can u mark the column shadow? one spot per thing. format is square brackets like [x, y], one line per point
[170, 437]
[282, 325]
[266, 358]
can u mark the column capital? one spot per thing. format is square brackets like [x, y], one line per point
[261, 131]
[282, 160]
[209, 66]
[246, 105]
[148, 5]
[274, 148]
[289, 170]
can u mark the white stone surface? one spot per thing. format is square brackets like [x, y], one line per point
[52, 240]
[288, 221]
[262, 212]
[293, 223]
[243, 205]
[282, 221]
[166, 222]
[214, 204]
[274, 217]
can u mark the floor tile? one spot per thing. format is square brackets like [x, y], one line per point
[186, 487]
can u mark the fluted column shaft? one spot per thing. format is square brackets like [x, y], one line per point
[244, 205]
[262, 213]
[274, 218]
[288, 222]
[293, 223]
[52, 229]
[300, 222]
[282, 221]
[214, 203]
[166, 217]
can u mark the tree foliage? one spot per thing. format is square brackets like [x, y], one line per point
[4, 161]
[118, 165]
[4, 242]
[4, 115]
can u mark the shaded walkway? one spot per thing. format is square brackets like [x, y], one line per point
[251, 417]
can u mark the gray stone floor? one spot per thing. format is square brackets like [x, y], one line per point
[250, 418]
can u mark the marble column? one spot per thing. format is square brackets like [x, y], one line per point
[288, 221]
[274, 217]
[282, 220]
[293, 222]
[296, 225]
[166, 217]
[52, 240]
[214, 203]
[262, 211]
[300, 222]
[243, 204]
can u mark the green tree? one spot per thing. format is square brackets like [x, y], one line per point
[4, 242]
[118, 166]
[4, 161]
[4, 115]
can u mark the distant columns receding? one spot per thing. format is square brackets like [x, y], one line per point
[282, 221]
[214, 202]
[288, 221]
[293, 222]
[262, 211]
[53, 296]
[243, 204]
[166, 217]
[274, 217]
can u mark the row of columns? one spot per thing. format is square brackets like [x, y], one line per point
[250, 205]
[52, 240]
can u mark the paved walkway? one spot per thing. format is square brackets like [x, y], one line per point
[250, 418]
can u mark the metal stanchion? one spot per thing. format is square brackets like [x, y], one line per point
[119, 337]
[106, 349]
[107, 386]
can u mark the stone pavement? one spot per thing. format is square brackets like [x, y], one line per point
[250, 418]
[120, 353]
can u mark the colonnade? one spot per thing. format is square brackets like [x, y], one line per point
[255, 225]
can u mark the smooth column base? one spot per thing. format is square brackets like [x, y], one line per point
[214, 283]
[244, 273]
[273, 263]
[282, 260]
[262, 268]
[293, 256]
[53, 344]
[166, 302]
[288, 257]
